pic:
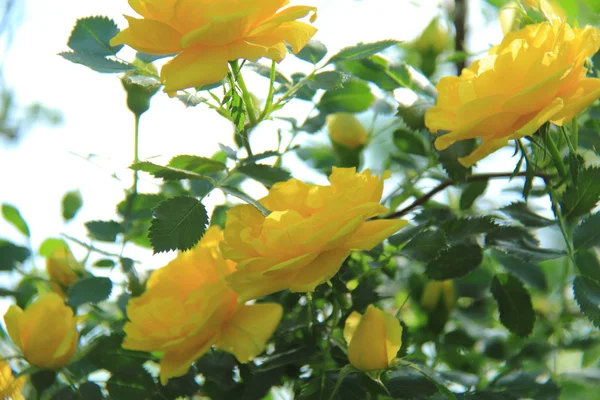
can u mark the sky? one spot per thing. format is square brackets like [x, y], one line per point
[49, 161]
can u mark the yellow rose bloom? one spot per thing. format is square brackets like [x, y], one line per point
[308, 234]
[373, 339]
[187, 308]
[46, 332]
[536, 75]
[10, 388]
[438, 290]
[345, 129]
[60, 267]
[206, 34]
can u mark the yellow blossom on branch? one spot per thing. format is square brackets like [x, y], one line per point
[536, 75]
[308, 234]
[206, 34]
[60, 267]
[10, 388]
[45, 332]
[345, 129]
[187, 308]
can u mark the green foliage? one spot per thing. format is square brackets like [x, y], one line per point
[455, 262]
[514, 304]
[71, 204]
[581, 197]
[362, 50]
[105, 231]
[264, 173]
[354, 96]
[12, 215]
[313, 52]
[587, 233]
[178, 224]
[12, 255]
[471, 193]
[89, 290]
[587, 294]
[182, 167]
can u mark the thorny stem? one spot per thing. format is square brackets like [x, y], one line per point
[474, 178]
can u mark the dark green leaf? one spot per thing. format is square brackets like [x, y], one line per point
[265, 71]
[96, 62]
[449, 160]
[108, 353]
[12, 255]
[406, 383]
[471, 193]
[66, 393]
[71, 203]
[326, 80]
[588, 264]
[410, 142]
[12, 215]
[413, 114]
[166, 173]
[199, 165]
[313, 124]
[321, 388]
[104, 263]
[587, 233]
[137, 384]
[518, 242]
[243, 196]
[407, 233]
[579, 199]
[528, 272]
[374, 69]
[105, 231]
[217, 366]
[92, 35]
[313, 52]
[89, 290]
[425, 246]
[587, 295]
[354, 96]
[524, 215]
[139, 206]
[362, 50]
[90, 391]
[455, 262]
[228, 151]
[457, 229]
[296, 356]
[525, 384]
[42, 380]
[514, 304]
[178, 224]
[264, 174]
[260, 156]
[304, 92]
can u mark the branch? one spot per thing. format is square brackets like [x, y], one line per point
[474, 178]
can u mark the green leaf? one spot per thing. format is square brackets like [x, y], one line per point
[410, 142]
[264, 174]
[362, 50]
[89, 290]
[528, 272]
[588, 264]
[354, 96]
[243, 196]
[96, 62]
[12, 215]
[579, 199]
[228, 151]
[449, 160]
[426, 245]
[139, 206]
[524, 215]
[413, 114]
[313, 52]
[12, 255]
[104, 263]
[457, 229]
[524, 384]
[406, 383]
[455, 262]
[374, 69]
[518, 242]
[92, 35]
[51, 245]
[90, 391]
[199, 165]
[587, 233]
[514, 304]
[326, 80]
[42, 380]
[178, 224]
[105, 231]
[587, 295]
[260, 156]
[167, 173]
[136, 384]
[71, 203]
[108, 353]
[471, 193]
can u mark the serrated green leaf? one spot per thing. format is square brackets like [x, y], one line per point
[139, 206]
[89, 290]
[90, 391]
[12, 215]
[136, 384]
[12, 255]
[524, 215]
[413, 114]
[326, 80]
[228, 151]
[374, 69]
[354, 96]
[588, 264]
[265, 71]
[410, 142]
[579, 199]
[264, 174]
[362, 50]
[471, 193]
[457, 229]
[455, 262]
[245, 197]
[96, 62]
[199, 165]
[260, 156]
[587, 233]
[167, 173]
[405, 383]
[449, 160]
[426, 245]
[514, 304]
[92, 35]
[71, 203]
[518, 242]
[587, 294]
[178, 224]
[528, 272]
[105, 231]
[313, 52]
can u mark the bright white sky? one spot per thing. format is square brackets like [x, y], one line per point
[41, 168]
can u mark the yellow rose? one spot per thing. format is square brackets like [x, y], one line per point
[308, 234]
[60, 267]
[206, 34]
[187, 308]
[373, 339]
[45, 332]
[438, 290]
[536, 75]
[345, 129]
[10, 388]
